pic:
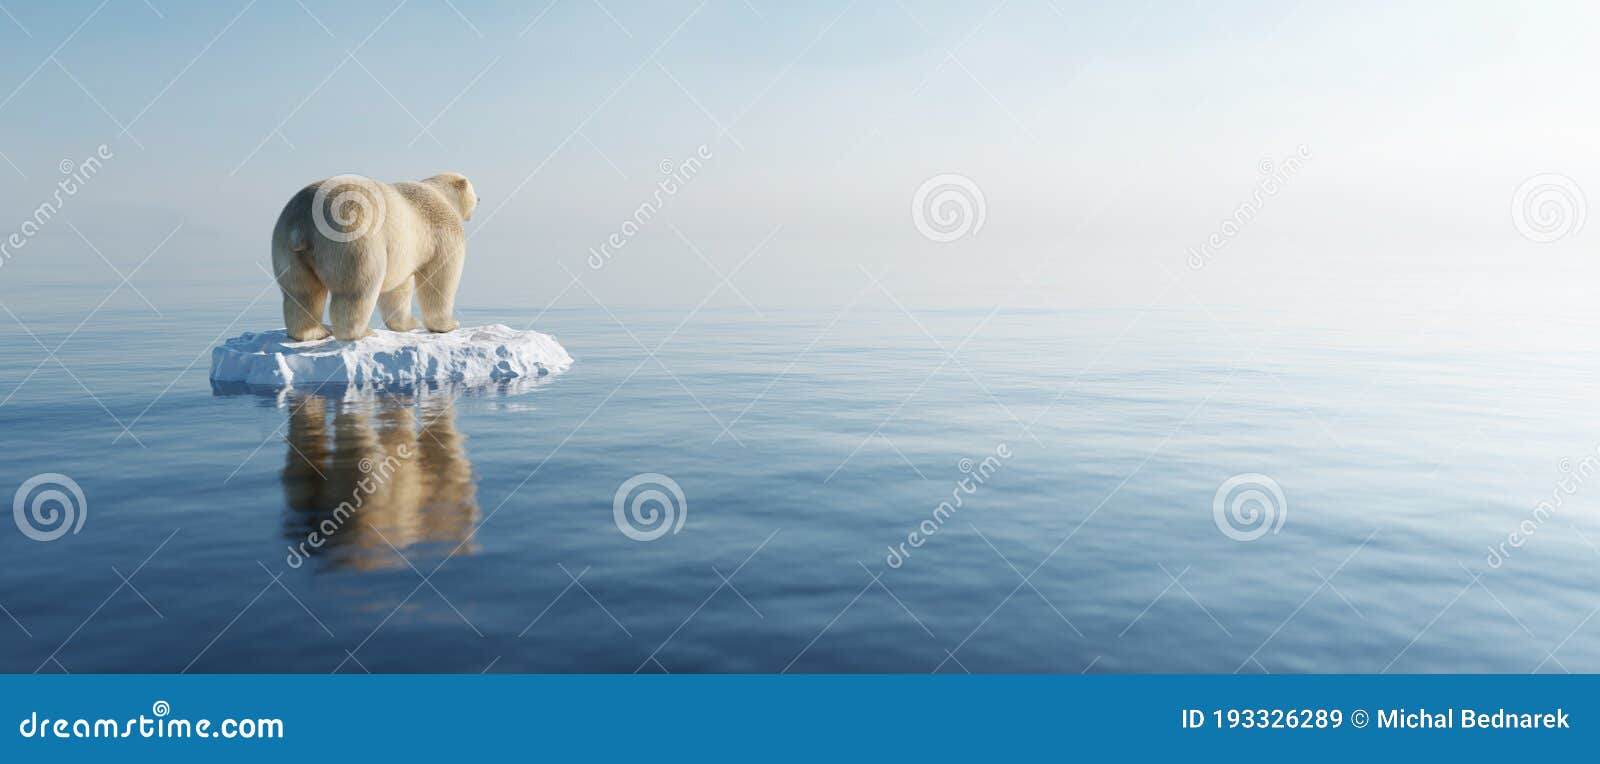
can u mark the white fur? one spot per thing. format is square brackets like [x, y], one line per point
[371, 244]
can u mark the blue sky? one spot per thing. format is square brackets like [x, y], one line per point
[1107, 138]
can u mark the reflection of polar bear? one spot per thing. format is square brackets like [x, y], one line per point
[362, 242]
[372, 482]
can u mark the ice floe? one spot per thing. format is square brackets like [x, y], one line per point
[386, 360]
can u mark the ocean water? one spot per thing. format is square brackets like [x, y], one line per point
[808, 446]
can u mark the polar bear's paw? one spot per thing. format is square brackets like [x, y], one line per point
[318, 332]
[354, 334]
[442, 327]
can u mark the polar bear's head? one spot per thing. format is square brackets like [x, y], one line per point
[459, 191]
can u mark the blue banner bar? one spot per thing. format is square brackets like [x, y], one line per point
[798, 718]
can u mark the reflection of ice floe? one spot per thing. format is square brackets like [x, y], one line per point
[386, 360]
[419, 393]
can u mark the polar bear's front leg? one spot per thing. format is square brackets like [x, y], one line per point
[436, 293]
[395, 305]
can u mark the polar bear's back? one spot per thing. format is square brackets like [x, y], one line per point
[342, 223]
[426, 202]
[341, 211]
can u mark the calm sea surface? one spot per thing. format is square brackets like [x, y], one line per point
[806, 445]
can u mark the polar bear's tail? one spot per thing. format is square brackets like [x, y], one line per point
[299, 242]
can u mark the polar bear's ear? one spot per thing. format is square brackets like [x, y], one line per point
[468, 199]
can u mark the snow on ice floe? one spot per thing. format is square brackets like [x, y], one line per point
[493, 353]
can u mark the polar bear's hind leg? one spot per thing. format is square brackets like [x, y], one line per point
[357, 270]
[303, 299]
[351, 313]
[396, 307]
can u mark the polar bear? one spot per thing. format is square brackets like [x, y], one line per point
[364, 244]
